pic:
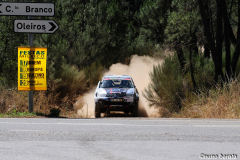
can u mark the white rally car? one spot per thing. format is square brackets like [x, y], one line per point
[116, 93]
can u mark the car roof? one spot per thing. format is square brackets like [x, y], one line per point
[117, 76]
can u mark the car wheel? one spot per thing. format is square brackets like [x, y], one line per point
[126, 111]
[97, 112]
[135, 110]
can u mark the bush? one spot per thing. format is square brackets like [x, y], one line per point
[93, 74]
[70, 82]
[169, 87]
[203, 73]
[166, 87]
[62, 91]
[54, 112]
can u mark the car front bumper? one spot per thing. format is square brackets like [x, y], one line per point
[116, 104]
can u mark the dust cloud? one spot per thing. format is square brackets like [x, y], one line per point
[84, 107]
[138, 69]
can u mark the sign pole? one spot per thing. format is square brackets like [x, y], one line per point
[30, 93]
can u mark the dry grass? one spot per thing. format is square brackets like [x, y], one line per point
[44, 101]
[11, 100]
[219, 103]
[62, 93]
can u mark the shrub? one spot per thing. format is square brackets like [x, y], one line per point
[70, 82]
[93, 73]
[169, 87]
[63, 91]
[54, 112]
[203, 73]
[166, 87]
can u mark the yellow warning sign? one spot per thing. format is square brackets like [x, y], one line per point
[32, 69]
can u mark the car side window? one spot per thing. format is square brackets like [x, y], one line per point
[130, 82]
[133, 83]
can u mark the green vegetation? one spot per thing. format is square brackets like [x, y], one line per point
[182, 79]
[94, 34]
[169, 87]
[166, 87]
[17, 114]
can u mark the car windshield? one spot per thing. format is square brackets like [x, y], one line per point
[117, 83]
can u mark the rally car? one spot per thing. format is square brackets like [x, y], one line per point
[116, 93]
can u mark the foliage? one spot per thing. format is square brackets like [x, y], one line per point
[70, 82]
[166, 87]
[152, 18]
[203, 73]
[8, 50]
[94, 34]
[181, 24]
[169, 88]
[93, 74]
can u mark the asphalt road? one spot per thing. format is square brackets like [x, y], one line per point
[118, 139]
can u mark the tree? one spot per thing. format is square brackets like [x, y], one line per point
[224, 14]
[182, 26]
[152, 19]
[8, 49]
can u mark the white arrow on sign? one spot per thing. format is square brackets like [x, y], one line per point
[26, 9]
[35, 26]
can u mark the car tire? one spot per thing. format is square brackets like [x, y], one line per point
[135, 110]
[97, 111]
[126, 111]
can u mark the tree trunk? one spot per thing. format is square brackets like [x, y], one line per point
[206, 23]
[210, 41]
[219, 37]
[227, 23]
[192, 70]
[181, 59]
[228, 53]
[206, 49]
[193, 43]
[206, 52]
[237, 49]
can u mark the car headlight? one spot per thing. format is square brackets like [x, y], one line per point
[101, 95]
